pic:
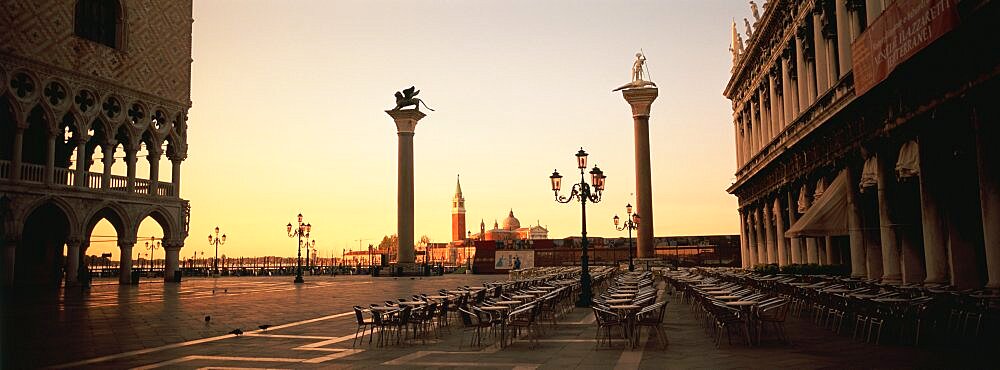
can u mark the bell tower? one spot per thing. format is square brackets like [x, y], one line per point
[458, 213]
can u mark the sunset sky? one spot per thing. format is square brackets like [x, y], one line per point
[289, 100]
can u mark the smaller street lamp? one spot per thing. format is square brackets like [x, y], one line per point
[631, 223]
[217, 241]
[152, 245]
[302, 231]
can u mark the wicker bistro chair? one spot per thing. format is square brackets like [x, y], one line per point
[363, 325]
[400, 322]
[523, 317]
[607, 320]
[728, 319]
[652, 317]
[471, 322]
[773, 315]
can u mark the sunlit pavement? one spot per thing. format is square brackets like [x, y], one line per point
[162, 325]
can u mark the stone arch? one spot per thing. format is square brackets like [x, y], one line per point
[9, 118]
[116, 215]
[63, 205]
[39, 255]
[162, 217]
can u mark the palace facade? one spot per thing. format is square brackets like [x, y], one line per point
[866, 135]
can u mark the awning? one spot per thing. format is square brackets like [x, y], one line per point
[869, 173]
[908, 164]
[827, 216]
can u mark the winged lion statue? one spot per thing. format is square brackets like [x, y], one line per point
[407, 97]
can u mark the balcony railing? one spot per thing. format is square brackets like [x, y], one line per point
[33, 173]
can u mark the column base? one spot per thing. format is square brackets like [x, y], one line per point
[892, 280]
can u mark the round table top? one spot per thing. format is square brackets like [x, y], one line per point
[384, 308]
[535, 291]
[622, 295]
[522, 296]
[437, 296]
[617, 301]
[459, 291]
[625, 307]
[507, 302]
[719, 292]
[412, 303]
[741, 303]
[494, 308]
[728, 297]
[544, 287]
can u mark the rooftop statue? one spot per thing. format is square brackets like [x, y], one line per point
[749, 29]
[637, 68]
[407, 97]
[753, 9]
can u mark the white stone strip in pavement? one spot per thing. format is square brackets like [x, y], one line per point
[189, 343]
[631, 359]
[410, 361]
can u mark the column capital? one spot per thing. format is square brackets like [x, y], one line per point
[170, 245]
[406, 119]
[126, 243]
[640, 99]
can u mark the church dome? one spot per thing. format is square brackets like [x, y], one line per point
[511, 222]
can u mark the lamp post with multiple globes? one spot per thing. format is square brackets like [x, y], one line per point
[302, 230]
[216, 241]
[631, 223]
[582, 192]
[152, 245]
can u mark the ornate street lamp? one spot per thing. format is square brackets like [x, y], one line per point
[582, 192]
[217, 241]
[152, 245]
[302, 230]
[631, 223]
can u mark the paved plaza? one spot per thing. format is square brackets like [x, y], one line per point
[163, 326]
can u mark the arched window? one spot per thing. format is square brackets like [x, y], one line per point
[99, 21]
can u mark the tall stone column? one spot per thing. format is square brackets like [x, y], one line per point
[933, 216]
[16, 156]
[109, 161]
[796, 249]
[171, 260]
[844, 38]
[154, 170]
[800, 70]
[988, 163]
[50, 159]
[81, 167]
[828, 243]
[887, 230]
[854, 227]
[738, 137]
[812, 250]
[641, 100]
[779, 238]
[856, 8]
[765, 119]
[73, 261]
[744, 245]
[761, 242]
[406, 125]
[772, 250]
[125, 262]
[786, 92]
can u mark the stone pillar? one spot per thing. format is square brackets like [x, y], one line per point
[754, 129]
[125, 262]
[856, 8]
[779, 224]
[744, 244]
[844, 38]
[819, 51]
[172, 260]
[812, 250]
[761, 242]
[887, 230]
[16, 155]
[829, 248]
[50, 159]
[801, 78]
[175, 174]
[988, 163]
[748, 215]
[640, 100]
[786, 92]
[776, 114]
[154, 170]
[765, 118]
[873, 9]
[932, 216]
[81, 167]
[854, 226]
[7, 262]
[406, 125]
[109, 161]
[772, 250]
[72, 262]
[130, 162]
[738, 136]
[796, 249]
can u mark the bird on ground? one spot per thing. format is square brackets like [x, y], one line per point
[208, 318]
[225, 290]
[237, 332]
[264, 327]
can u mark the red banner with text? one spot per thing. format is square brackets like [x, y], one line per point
[903, 29]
